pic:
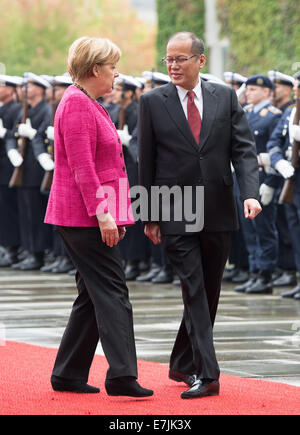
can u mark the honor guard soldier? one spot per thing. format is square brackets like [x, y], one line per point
[280, 148]
[133, 247]
[237, 82]
[153, 79]
[283, 86]
[261, 234]
[238, 253]
[160, 271]
[9, 223]
[59, 260]
[30, 165]
[286, 273]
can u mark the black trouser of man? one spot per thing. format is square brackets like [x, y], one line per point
[199, 261]
[102, 309]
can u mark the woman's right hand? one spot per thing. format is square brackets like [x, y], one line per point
[108, 228]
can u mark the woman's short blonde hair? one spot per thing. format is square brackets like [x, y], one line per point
[86, 52]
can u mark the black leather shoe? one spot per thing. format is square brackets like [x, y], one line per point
[8, 259]
[263, 284]
[144, 266]
[76, 387]
[164, 276]
[63, 266]
[260, 287]
[241, 276]
[291, 293]
[132, 271]
[33, 262]
[288, 278]
[202, 388]
[126, 387]
[229, 274]
[155, 268]
[181, 377]
[48, 267]
[243, 287]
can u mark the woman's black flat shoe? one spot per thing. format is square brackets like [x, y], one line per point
[74, 387]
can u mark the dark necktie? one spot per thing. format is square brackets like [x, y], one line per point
[193, 116]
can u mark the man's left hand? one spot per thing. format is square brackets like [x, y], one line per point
[251, 208]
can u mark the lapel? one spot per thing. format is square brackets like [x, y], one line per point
[210, 105]
[175, 110]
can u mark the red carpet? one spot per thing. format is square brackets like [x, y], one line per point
[25, 389]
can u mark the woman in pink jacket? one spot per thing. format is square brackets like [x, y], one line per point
[90, 205]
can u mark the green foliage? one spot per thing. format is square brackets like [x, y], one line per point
[263, 34]
[176, 16]
[36, 35]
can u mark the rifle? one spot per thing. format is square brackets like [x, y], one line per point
[287, 193]
[17, 176]
[48, 177]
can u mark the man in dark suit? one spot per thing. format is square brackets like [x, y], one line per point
[189, 132]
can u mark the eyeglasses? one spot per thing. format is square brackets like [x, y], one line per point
[178, 60]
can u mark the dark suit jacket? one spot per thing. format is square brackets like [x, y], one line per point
[169, 155]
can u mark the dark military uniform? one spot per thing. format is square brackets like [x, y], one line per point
[35, 235]
[134, 246]
[278, 147]
[261, 235]
[9, 223]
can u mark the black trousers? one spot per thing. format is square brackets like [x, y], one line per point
[101, 310]
[9, 220]
[199, 261]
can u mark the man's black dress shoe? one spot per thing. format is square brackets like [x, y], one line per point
[243, 287]
[132, 270]
[74, 387]
[155, 268]
[263, 284]
[64, 265]
[241, 276]
[291, 293]
[202, 388]
[288, 278]
[126, 386]
[164, 276]
[181, 377]
[229, 274]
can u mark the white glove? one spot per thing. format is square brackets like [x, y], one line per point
[265, 161]
[266, 194]
[50, 132]
[26, 130]
[46, 162]
[295, 132]
[285, 168]
[15, 157]
[124, 136]
[2, 130]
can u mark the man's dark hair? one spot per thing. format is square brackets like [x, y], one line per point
[197, 43]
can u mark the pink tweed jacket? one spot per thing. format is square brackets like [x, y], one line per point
[90, 175]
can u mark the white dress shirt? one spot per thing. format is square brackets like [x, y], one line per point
[182, 93]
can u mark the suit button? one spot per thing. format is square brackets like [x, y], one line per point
[121, 154]
[119, 140]
[123, 168]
